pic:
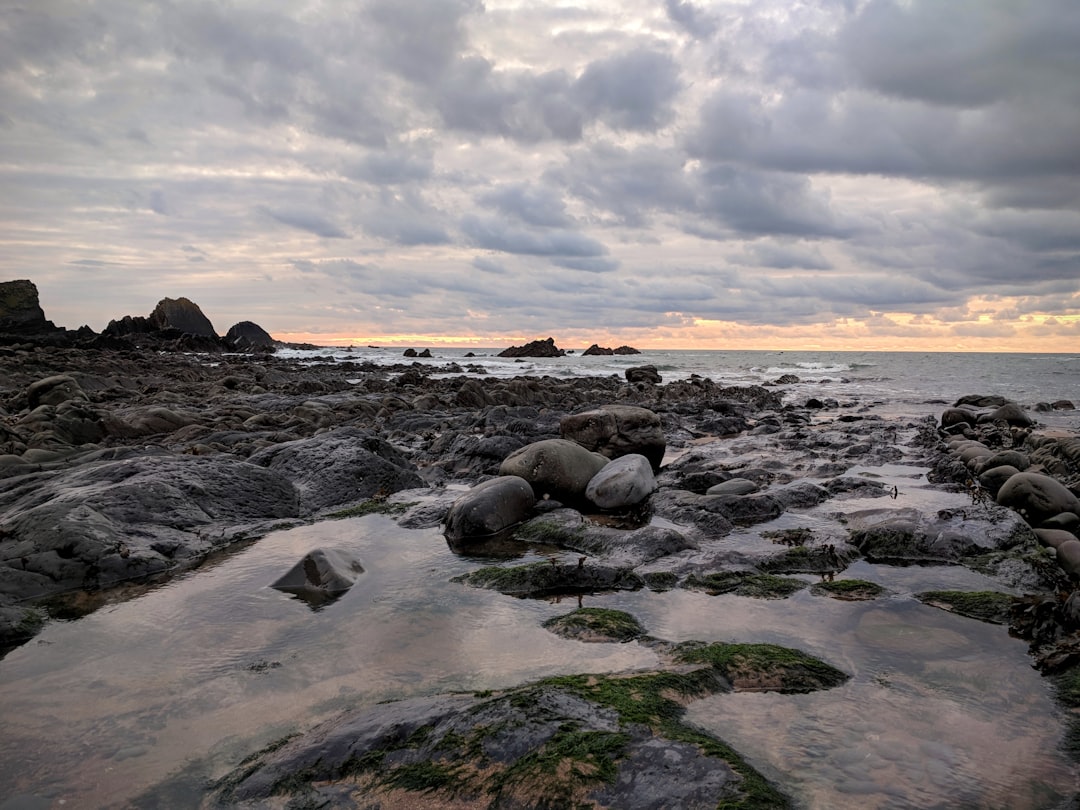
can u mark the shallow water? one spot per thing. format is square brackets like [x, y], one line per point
[178, 685]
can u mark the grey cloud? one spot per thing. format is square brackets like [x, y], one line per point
[534, 205]
[963, 54]
[309, 221]
[783, 257]
[493, 233]
[417, 38]
[632, 91]
[691, 18]
[588, 265]
[391, 167]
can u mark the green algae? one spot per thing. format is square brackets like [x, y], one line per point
[763, 667]
[986, 606]
[372, 506]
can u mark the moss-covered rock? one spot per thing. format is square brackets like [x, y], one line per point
[549, 579]
[986, 606]
[745, 583]
[763, 667]
[596, 624]
[851, 590]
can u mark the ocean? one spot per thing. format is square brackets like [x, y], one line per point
[898, 383]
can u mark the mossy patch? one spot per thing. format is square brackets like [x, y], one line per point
[596, 624]
[660, 581]
[372, 506]
[550, 532]
[986, 606]
[806, 560]
[852, 590]
[745, 583]
[763, 667]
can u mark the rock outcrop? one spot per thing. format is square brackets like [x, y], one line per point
[535, 348]
[20, 310]
[248, 336]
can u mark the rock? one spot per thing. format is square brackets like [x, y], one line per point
[625, 350]
[426, 354]
[993, 478]
[644, 374]
[321, 576]
[180, 314]
[116, 519]
[1037, 497]
[733, 486]
[596, 625]
[538, 580]
[339, 467]
[958, 416]
[981, 401]
[1053, 538]
[556, 468]
[1068, 557]
[617, 430]
[626, 481]
[53, 391]
[1062, 405]
[905, 536]
[489, 508]
[409, 353]
[535, 348]
[1009, 412]
[597, 351]
[247, 335]
[20, 310]
[1011, 458]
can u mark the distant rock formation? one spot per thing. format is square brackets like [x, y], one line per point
[536, 348]
[181, 314]
[248, 336]
[595, 350]
[20, 310]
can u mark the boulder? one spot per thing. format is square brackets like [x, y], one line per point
[993, 478]
[247, 335]
[321, 576]
[958, 416]
[1009, 412]
[1068, 557]
[489, 508]
[535, 348]
[1054, 537]
[733, 486]
[1011, 458]
[617, 430]
[597, 351]
[626, 481]
[556, 468]
[53, 390]
[1037, 497]
[644, 374]
[180, 314]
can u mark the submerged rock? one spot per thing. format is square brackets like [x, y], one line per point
[321, 576]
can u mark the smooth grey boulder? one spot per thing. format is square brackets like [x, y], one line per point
[339, 467]
[489, 508]
[617, 430]
[958, 416]
[993, 478]
[321, 576]
[1054, 537]
[1011, 458]
[733, 486]
[556, 468]
[1037, 497]
[1068, 557]
[1009, 412]
[626, 481]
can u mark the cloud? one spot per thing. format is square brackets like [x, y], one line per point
[310, 221]
[493, 233]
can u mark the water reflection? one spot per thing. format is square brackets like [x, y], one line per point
[184, 681]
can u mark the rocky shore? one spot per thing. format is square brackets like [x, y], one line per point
[120, 467]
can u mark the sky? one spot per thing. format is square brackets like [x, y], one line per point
[830, 174]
